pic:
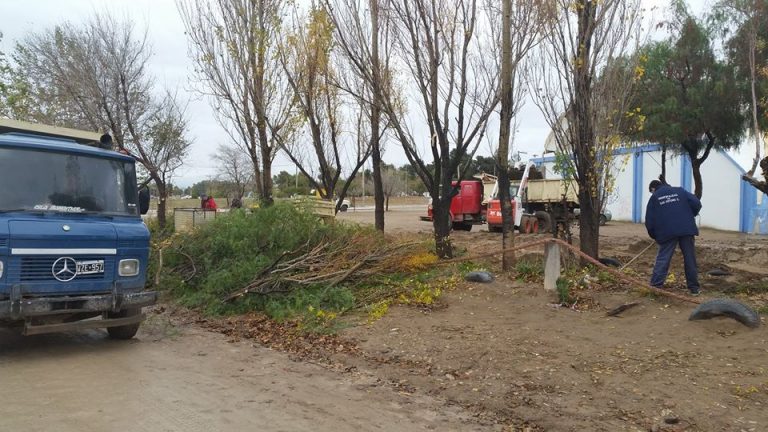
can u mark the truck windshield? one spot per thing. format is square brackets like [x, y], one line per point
[59, 182]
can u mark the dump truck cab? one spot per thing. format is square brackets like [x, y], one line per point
[73, 245]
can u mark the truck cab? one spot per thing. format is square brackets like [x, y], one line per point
[73, 245]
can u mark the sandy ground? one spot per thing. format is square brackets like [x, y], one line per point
[506, 352]
[174, 378]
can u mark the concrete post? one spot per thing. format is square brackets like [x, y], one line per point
[551, 266]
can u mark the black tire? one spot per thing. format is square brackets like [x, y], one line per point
[545, 221]
[728, 308]
[495, 229]
[603, 220]
[127, 331]
[461, 226]
[344, 207]
[611, 262]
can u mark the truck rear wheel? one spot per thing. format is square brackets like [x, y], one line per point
[525, 225]
[461, 226]
[545, 221]
[127, 331]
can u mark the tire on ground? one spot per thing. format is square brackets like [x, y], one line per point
[127, 331]
[344, 207]
[603, 220]
[728, 308]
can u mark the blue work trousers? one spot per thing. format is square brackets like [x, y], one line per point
[664, 257]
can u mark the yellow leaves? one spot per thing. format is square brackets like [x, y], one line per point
[639, 72]
[320, 317]
[670, 278]
[378, 310]
[420, 261]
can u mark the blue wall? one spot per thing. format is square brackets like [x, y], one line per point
[637, 187]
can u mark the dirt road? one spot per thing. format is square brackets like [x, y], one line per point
[188, 379]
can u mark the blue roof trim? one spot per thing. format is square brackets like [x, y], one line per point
[36, 142]
[619, 151]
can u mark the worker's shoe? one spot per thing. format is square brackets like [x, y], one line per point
[695, 292]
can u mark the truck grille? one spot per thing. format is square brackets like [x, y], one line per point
[3, 243]
[39, 268]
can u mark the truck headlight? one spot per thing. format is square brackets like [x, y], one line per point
[128, 267]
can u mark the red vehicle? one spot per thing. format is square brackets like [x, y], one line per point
[475, 205]
[467, 208]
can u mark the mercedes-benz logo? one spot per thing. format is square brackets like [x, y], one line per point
[64, 269]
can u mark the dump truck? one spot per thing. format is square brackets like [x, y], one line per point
[539, 206]
[73, 248]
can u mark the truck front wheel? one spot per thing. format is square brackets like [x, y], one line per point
[127, 331]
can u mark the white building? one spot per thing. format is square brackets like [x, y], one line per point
[728, 203]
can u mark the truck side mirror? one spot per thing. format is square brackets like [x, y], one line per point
[143, 200]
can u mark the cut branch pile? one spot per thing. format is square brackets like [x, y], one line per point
[328, 263]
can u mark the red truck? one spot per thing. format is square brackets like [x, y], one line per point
[468, 207]
[537, 210]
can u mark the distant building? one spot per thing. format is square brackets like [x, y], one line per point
[728, 203]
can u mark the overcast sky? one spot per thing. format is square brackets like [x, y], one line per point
[171, 68]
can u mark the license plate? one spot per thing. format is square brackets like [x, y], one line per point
[90, 267]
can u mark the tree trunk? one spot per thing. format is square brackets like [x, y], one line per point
[386, 206]
[266, 190]
[162, 195]
[441, 223]
[755, 124]
[663, 163]
[502, 157]
[583, 134]
[378, 183]
[258, 181]
[698, 188]
[589, 224]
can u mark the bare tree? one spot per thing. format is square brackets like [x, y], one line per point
[361, 35]
[521, 25]
[324, 149]
[234, 167]
[573, 81]
[95, 77]
[745, 47]
[453, 65]
[234, 44]
[389, 182]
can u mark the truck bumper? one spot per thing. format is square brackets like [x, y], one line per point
[16, 309]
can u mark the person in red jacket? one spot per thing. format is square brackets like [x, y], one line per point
[208, 203]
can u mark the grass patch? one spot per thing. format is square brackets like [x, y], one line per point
[295, 267]
[529, 270]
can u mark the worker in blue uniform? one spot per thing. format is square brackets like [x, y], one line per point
[670, 219]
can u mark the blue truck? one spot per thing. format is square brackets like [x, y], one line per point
[73, 247]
